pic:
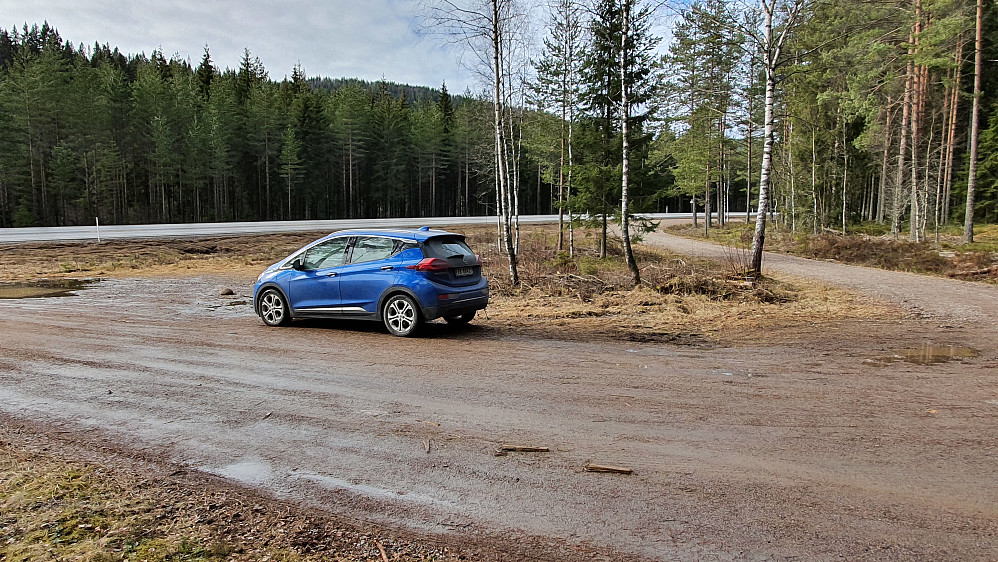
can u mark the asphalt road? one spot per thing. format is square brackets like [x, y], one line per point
[107, 232]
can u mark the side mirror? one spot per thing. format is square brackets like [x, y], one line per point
[298, 264]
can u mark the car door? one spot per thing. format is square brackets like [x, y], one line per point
[315, 288]
[372, 269]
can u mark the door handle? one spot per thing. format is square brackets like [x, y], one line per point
[331, 274]
[387, 268]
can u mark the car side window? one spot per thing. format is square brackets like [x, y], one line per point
[372, 248]
[330, 253]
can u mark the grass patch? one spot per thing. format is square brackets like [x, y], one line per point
[53, 509]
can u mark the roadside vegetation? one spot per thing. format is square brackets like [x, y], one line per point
[680, 299]
[872, 245]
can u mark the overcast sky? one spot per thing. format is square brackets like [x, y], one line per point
[364, 39]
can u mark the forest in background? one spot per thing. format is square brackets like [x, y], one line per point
[871, 124]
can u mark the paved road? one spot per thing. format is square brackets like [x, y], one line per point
[107, 232]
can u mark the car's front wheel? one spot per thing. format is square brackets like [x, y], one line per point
[273, 308]
[401, 315]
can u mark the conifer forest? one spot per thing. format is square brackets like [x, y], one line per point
[839, 111]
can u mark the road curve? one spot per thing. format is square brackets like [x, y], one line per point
[923, 295]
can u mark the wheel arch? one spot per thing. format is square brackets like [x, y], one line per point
[265, 287]
[399, 290]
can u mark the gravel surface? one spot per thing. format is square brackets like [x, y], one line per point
[824, 444]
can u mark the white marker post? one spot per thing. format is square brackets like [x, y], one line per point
[97, 220]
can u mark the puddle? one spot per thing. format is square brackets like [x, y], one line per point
[43, 288]
[929, 354]
[247, 472]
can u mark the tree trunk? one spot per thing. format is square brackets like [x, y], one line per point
[706, 203]
[902, 152]
[748, 176]
[561, 179]
[625, 116]
[916, 128]
[882, 193]
[968, 225]
[951, 139]
[759, 237]
[502, 172]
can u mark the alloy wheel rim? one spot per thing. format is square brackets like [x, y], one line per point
[401, 316]
[273, 308]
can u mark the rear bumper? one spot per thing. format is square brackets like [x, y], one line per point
[475, 300]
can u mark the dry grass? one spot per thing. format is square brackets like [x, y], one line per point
[681, 299]
[130, 258]
[53, 509]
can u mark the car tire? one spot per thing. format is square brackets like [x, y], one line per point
[460, 319]
[401, 315]
[274, 308]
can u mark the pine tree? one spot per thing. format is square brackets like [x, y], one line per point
[291, 165]
[557, 86]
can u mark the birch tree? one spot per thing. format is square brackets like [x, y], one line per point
[488, 31]
[779, 19]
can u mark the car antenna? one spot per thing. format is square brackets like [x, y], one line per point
[424, 228]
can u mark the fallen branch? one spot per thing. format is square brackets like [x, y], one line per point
[985, 271]
[522, 449]
[602, 468]
[381, 549]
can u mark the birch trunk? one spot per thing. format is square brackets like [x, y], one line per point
[625, 117]
[759, 237]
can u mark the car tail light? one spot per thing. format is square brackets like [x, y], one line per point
[430, 264]
[478, 260]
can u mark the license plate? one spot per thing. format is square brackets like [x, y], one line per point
[464, 271]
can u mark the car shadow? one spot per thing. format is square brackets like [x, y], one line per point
[430, 330]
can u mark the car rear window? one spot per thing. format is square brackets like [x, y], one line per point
[446, 247]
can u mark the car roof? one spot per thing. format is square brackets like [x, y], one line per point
[417, 234]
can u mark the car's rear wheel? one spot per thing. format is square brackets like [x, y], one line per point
[401, 315]
[273, 308]
[460, 319]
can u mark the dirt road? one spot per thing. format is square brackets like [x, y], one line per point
[820, 445]
[922, 295]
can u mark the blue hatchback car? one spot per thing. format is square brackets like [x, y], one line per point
[399, 277]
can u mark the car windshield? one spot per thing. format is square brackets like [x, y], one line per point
[446, 247]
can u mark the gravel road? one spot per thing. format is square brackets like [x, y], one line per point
[818, 446]
[930, 297]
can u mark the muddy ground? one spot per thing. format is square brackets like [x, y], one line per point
[835, 438]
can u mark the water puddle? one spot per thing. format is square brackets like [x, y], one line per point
[929, 354]
[247, 472]
[43, 288]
